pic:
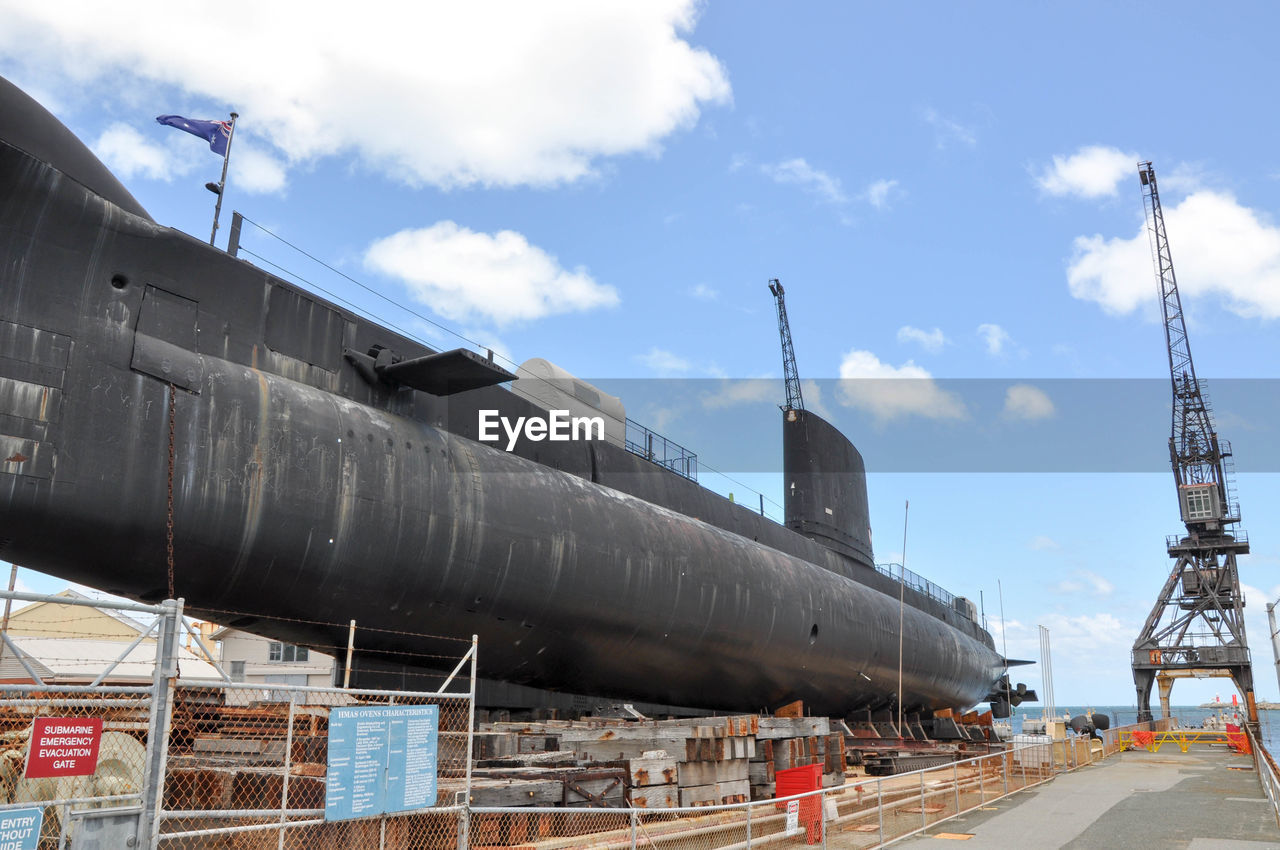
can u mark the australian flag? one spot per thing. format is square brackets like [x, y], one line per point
[216, 133]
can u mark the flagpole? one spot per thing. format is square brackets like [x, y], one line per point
[902, 604]
[222, 184]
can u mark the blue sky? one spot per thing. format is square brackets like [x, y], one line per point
[948, 193]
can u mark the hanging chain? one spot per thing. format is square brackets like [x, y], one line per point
[169, 520]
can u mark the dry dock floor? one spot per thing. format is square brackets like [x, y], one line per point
[1198, 800]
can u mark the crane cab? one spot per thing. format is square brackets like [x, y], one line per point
[1201, 504]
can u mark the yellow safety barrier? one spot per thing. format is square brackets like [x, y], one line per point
[1184, 738]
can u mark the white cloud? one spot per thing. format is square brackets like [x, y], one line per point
[1083, 636]
[800, 173]
[745, 391]
[1043, 542]
[1185, 178]
[932, 340]
[704, 293]
[461, 274]
[1085, 581]
[1219, 248]
[1257, 627]
[256, 171]
[948, 131]
[664, 362]
[813, 400]
[994, 337]
[1087, 633]
[1023, 401]
[878, 192]
[450, 94]
[1090, 172]
[130, 154]
[888, 392]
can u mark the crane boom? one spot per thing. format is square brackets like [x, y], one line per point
[1193, 443]
[790, 373]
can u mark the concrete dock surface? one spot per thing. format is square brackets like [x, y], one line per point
[1208, 798]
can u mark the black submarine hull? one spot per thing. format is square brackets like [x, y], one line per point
[305, 494]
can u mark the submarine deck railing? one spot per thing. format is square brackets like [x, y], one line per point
[656, 448]
[917, 582]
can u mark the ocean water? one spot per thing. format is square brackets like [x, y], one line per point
[1188, 716]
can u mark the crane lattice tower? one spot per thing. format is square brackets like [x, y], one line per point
[1196, 627]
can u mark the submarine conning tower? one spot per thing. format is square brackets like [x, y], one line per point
[825, 485]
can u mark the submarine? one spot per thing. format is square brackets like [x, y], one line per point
[314, 467]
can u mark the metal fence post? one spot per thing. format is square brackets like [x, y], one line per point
[633, 831]
[288, 769]
[471, 714]
[748, 828]
[822, 817]
[923, 821]
[382, 818]
[982, 781]
[880, 806]
[1004, 769]
[955, 772]
[162, 684]
[464, 816]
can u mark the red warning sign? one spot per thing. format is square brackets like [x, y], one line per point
[64, 746]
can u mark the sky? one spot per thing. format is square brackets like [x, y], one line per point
[948, 193]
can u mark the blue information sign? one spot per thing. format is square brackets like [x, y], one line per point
[20, 828]
[381, 759]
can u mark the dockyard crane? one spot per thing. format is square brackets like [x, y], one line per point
[1196, 627]
[790, 374]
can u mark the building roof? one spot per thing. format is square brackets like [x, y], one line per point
[53, 619]
[83, 659]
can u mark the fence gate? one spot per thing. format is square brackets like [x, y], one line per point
[79, 757]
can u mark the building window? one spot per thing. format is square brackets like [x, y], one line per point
[237, 671]
[286, 652]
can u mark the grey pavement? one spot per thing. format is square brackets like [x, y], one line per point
[1198, 800]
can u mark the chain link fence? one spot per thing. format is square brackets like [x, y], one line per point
[312, 767]
[103, 746]
[199, 764]
[864, 812]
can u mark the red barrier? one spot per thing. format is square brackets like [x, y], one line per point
[798, 780]
[1238, 740]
